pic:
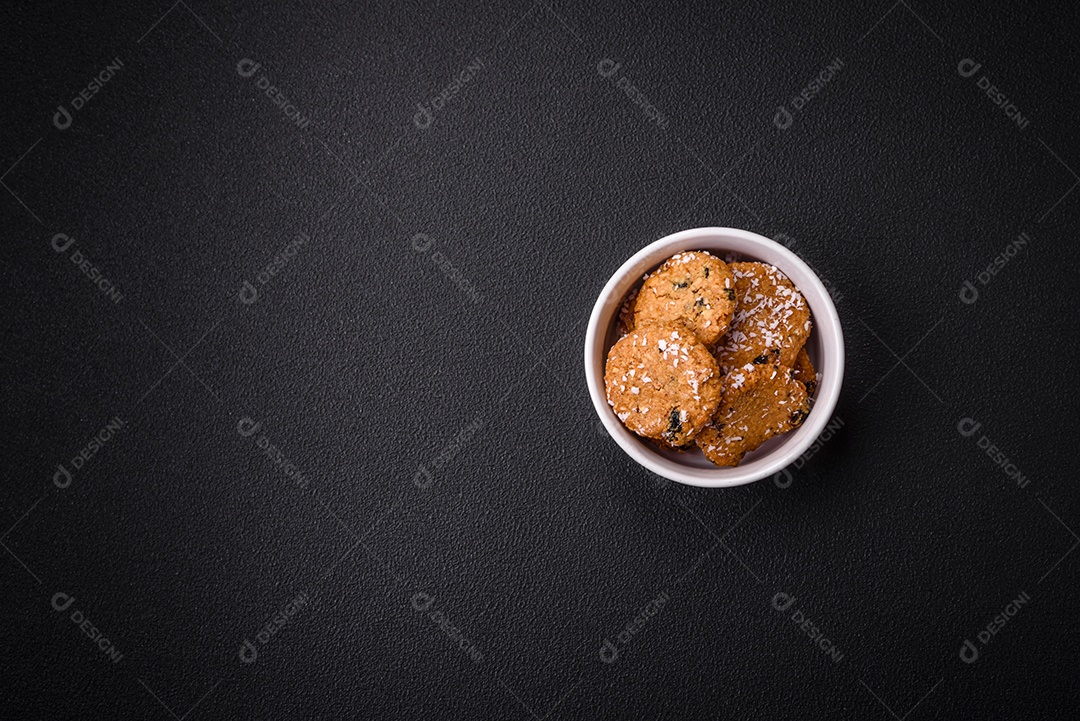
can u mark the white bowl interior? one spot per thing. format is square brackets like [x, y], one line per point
[825, 348]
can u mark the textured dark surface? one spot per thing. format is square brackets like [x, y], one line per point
[452, 460]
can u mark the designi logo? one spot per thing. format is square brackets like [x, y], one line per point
[62, 602]
[249, 652]
[247, 67]
[62, 118]
[783, 602]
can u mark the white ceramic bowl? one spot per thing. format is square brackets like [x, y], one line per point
[825, 348]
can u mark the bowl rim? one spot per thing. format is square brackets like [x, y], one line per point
[826, 324]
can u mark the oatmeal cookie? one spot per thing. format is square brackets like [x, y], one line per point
[693, 287]
[759, 402]
[771, 321]
[804, 372]
[662, 382]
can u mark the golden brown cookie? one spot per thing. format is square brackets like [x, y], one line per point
[665, 446]
[771, 321]
[693, 287]
[662, 382]
[804, 372]
[759, 402]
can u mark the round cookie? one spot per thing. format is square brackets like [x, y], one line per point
[771, 321]
[759, 402]
[693, 287]
[804, 372]
[662, 382]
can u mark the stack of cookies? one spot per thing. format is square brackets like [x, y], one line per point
[712, 355]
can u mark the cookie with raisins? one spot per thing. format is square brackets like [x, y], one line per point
[662, 382]
[759, 402]
[693, 287]
[771, 321]
[804, 372]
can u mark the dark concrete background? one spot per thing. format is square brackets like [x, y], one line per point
[383, 446]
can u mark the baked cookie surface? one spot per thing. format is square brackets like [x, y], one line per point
[804, 372]
[693, 287]
[771, 320]
[662, 382]
[758, 402]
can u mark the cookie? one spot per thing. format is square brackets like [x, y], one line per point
[693, 287]
[665, 446]
[662, 382]
[804, 372]
[759, 402]
[771, 321]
